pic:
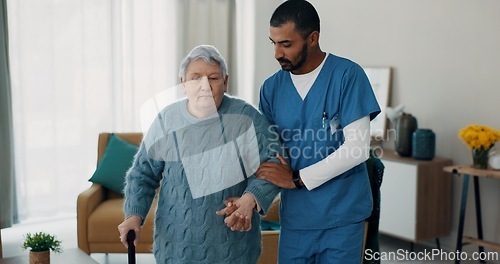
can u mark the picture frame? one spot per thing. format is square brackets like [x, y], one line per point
[380, 79]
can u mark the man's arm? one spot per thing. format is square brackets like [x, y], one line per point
[354, 150]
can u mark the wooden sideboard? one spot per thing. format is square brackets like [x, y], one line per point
[415, 198]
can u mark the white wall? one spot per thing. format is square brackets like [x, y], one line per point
[265, 64]
[446, 70]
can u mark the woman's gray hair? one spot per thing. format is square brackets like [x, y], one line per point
[209, 54]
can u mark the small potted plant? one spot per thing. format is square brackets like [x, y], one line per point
[40, 245]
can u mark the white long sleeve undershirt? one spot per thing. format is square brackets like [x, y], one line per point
[354, 150]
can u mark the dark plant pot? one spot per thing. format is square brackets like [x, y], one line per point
[424, 144]
[406, 124]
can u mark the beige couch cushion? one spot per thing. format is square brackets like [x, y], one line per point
[108, 215]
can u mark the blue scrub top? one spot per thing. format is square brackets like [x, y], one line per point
[311, 129]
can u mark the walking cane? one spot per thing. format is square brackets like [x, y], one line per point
[131, 247]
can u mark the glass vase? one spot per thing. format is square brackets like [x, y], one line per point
[480, 158]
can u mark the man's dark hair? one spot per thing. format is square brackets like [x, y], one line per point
[301, 12]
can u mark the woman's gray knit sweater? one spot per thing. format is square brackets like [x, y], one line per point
[198, 164]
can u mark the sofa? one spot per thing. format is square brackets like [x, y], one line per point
[100, 211]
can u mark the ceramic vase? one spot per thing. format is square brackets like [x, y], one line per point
[406, 124]
[494, 160]
[423, 144]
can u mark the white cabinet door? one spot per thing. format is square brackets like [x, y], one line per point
[399, 200]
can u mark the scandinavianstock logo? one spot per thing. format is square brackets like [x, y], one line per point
[334, 137]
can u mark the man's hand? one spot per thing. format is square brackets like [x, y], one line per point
[133, 222]
[239, 212]
[279, 174]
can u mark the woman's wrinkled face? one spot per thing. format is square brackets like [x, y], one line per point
[204, 87]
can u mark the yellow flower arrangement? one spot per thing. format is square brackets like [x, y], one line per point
[480, 139]
[477, 136]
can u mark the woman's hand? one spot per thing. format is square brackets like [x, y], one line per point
[132, 222]
[230, 207]
[239, 212]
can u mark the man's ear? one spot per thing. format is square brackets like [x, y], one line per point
[313, 38]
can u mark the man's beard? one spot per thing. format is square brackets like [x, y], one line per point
[289, 66]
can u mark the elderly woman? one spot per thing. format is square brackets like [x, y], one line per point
[200, 152]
